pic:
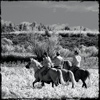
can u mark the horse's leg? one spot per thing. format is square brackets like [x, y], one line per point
[35, 82]
[84, 84]
[71, 75]
[58, 81]
[42, 83]
[60, 77]
[52, 84]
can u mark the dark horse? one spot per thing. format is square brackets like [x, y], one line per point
[78, 73]
[53, 75]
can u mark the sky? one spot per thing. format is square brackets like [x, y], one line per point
[73, 13]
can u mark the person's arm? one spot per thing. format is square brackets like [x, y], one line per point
[79, 59]
[50, 62]
[62, 61]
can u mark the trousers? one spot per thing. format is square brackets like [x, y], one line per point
[43, 72]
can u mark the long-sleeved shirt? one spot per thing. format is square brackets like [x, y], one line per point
[76, 61]
[47, 62]
[58, 61]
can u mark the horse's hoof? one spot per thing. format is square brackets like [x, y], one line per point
[33, 87]
[42, 84]
[67, 83]
[77, 80]
[86, 87]
[72, 86]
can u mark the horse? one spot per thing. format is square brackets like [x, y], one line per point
[79, 73]
[53, 75]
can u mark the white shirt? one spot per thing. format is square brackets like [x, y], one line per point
[47, 62]
[76, 61]
[58, 61]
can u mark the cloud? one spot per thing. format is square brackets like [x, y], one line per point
[72, 6]
[93, 8]
[62, 6]
[68, 6]
[77, 8]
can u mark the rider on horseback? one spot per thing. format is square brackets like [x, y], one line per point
[58, 61]
[47, 64]
[76, 61]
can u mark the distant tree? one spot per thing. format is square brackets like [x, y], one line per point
[3, 27]
[49, 28]
[41, 27]
[67, 28]
[33, 25]
[24, 27]
[16, 27]
[20, 27]
[75, 28]
[84, 29]
[11, 27]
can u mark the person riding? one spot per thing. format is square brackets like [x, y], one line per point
[47, 64]
[58, 61]
[76, 61]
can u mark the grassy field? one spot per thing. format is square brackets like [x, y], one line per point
[17, 83]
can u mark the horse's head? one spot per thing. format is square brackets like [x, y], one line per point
[67, 64]
[33, 64]
[28, 65]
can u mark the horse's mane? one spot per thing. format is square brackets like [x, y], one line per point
[67, 63]
[38, 64]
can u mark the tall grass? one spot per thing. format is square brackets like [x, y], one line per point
[17, 83]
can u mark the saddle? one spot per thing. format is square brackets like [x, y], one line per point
[57, 67]
[45, 71]
[75, 69]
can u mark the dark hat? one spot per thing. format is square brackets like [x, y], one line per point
[58, 53]
[76, 51]
[45, 53]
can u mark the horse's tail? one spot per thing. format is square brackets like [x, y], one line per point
[61, 77]
[87, 74]
[72, 78]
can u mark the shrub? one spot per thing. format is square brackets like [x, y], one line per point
[82, 48]
[6, 41]
[29, 48]
[19, 48]
[7, 48]
[65, 52]
[49, 45]
[39, 49]
[64, 34]
[92, 51]
[53, 45]
[90, 34]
